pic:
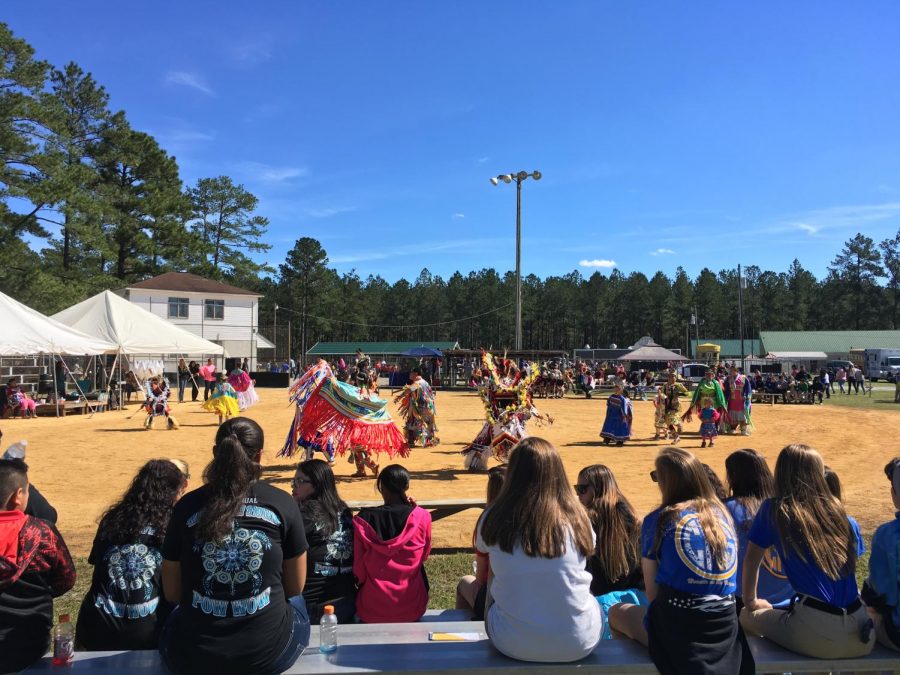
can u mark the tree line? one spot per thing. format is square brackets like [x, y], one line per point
[87, 202]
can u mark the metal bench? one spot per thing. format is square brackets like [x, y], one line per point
[405, 648]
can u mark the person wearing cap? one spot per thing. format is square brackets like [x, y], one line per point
[35, 567]
[881, 591]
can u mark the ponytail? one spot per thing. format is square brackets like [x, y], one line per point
[229, 476]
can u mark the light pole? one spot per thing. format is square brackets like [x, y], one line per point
[509, 178]
[275, 334]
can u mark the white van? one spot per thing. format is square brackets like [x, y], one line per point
[692, 372]
[881, 364]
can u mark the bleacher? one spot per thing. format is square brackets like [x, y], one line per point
[405, 648]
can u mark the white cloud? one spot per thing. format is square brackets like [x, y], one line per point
[483, 160]
[400, 250]
[186, 79]
[598, 262]
[329, 211]
[806, 227]
[662, 251]
[251, 53]
[268, 173]
[458, 216]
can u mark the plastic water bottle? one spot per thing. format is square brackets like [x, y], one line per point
[16, 450]
[328, 631]
[63, 642]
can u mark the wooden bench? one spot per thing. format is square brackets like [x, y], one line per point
[763, 396]
[405, 648]
[440, 508]
[65, 407]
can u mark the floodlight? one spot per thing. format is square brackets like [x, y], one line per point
[507, 178]
[536, 175]
[494, 181]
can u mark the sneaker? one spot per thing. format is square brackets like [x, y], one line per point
[703, 444]
[712, 443]
[676, 439]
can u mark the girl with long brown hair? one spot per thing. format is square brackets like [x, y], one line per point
[819, 545]
[539, 538]
[689, 559]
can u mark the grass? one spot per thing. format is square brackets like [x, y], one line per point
[444, 571]
[881, 399]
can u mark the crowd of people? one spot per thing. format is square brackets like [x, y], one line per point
[229, 576]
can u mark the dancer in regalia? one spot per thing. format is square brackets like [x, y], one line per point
[346, 418]
[619, 415]
[299, 394]
[157, 404]
[738, 393]
[673, 391]
[416, 403]
[244, 387]
[508, 405]
[222, 399]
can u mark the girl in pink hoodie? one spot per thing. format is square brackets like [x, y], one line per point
[390, 546]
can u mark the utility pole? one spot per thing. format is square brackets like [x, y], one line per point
[741, 316]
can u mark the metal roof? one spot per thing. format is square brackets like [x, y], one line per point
[829, 341]
[731, 348]
[374, 348]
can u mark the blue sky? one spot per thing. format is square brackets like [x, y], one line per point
[694, 134]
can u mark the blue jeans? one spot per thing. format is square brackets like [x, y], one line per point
[297, 642]
[182, 384]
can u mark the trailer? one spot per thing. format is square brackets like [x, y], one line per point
[881, 364]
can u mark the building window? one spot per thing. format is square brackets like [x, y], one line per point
[178, 308]
[215, 309]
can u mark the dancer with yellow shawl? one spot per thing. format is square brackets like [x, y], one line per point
[222, 399]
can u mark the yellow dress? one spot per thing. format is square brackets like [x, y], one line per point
[223, 401]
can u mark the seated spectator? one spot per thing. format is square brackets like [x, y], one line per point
[751, 483]
[816, 390]
[9, 398]
[234, 560]
[328, 523]
[881, 591]
[390, 546]
[539, 539]
[818, 544]
[123, 609]
[615, 565]
[35, 567]
[689, 552]
[471, 591]
[834, 483]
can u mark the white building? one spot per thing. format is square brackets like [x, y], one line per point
[221, 313]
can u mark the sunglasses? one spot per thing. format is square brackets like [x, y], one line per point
[581, 489]
[297, 482]
[653, 476]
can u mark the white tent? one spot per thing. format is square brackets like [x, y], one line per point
[27, 332]
[133, 329]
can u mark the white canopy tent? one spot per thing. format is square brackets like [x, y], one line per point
[133, 329]
[27, 332]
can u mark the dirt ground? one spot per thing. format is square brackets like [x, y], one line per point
[82, 463]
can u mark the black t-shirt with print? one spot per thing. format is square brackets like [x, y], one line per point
[124, 608]
[329, 565]
[233, 616]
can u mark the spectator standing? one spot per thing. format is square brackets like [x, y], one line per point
[851, 381]
[819, 545]
[825, 379]
[841, 378]
[184, 376]
[194, 370]
[209, 378]
[689, 552]
[390, 546]
[539, 539]
[234, 560]
[35, 567]
[328, 524]
[124, 607]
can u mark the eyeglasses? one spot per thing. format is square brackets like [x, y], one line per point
[297, 482]
[581, 489]
[653, 476]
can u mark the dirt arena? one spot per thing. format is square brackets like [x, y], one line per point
[83, 463]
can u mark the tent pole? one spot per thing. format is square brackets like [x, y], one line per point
[78, 387]
[56, 387]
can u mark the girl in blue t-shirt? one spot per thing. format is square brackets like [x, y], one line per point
[751, 483]
[689, 558]
[818, 544]
[882, 589]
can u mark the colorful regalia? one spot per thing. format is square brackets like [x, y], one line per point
[157, 404]
[222, 400]
[738, 393]
[709, 423]
[243, 386]
[345, 418]
[508, 406]
[617, 424]
[417, 408]
[710, 388]
[299, 394]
